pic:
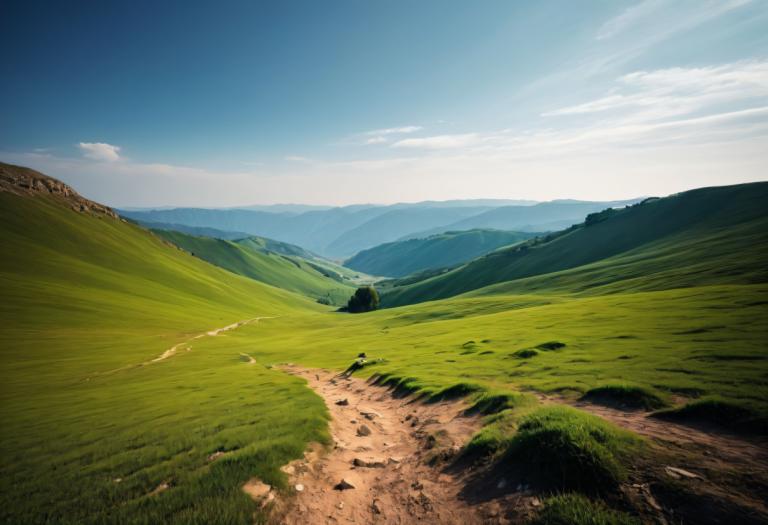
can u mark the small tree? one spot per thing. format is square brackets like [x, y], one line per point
[365, 299]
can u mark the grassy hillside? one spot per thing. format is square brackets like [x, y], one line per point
[91, 426]
[251, 257]
[702, 236]
[96, 430]
[400, 258]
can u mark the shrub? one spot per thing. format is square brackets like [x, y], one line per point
[561, 448]
[627, 396]
[365, 299]
[574, 509]
[719, 412]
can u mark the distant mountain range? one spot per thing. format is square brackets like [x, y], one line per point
[344, 231]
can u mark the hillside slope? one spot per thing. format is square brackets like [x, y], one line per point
[251, 257]
[699, 229]
[400, 258]
[94, 418]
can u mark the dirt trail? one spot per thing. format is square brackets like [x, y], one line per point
[388, 464]
[212, 333]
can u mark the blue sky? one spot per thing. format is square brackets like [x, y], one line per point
[338, 102]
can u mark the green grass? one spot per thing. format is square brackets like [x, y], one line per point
[252, 258]
[625, 396]
[718, 412]
[574, 509]
[561, 448]
[83, 296]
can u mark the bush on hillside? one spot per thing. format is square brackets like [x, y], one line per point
[365, 299]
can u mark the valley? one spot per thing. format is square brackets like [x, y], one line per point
[149, 375]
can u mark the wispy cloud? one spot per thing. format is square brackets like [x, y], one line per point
[395, 131]
[100, 151]
[663, 15]
[440, 141]
[647, 95]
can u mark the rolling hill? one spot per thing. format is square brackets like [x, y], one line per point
[400, 258]
[124, 401]
[710, 232]
[259, 259]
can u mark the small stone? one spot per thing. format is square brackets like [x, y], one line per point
[363, 430]
[536, 502]
[340, 505]
[408, 417]
[678, 473]
[353, 421]
[118, 480]
[368, 463]
[393, 460]
[256, 489]
[343, 485]
[342, 402]
[299, 487]
[376, 506]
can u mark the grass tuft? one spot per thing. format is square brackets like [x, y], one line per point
[574, 509]
[551, 345]
[561, 448]
[625, 396]
[719, 412]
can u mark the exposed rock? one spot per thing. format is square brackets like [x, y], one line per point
[342, 402]
[344, 485]
[678, 473]
[369, 414]
[363, 430]
[256, 489]
[216, 455]
[368, 463]
[27, 182]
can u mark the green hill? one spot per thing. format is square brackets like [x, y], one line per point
[698, 236]
[252, 257]
[88, 305]
[400, 258]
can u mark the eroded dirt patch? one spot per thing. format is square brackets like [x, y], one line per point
[386, 466]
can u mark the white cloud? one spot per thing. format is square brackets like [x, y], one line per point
[668, 16]
[664, 93]
[440, 141]
[100, 151]
[395, 131]
[376, 140]
[297, 158]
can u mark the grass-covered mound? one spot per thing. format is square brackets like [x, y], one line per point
[574, 509]
[625, 396]
[561, 448]
[719, 412]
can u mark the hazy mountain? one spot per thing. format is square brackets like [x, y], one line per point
[400, 258]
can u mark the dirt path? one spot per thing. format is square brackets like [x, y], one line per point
[383, 449]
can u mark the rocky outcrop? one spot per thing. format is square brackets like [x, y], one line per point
[28, 182]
